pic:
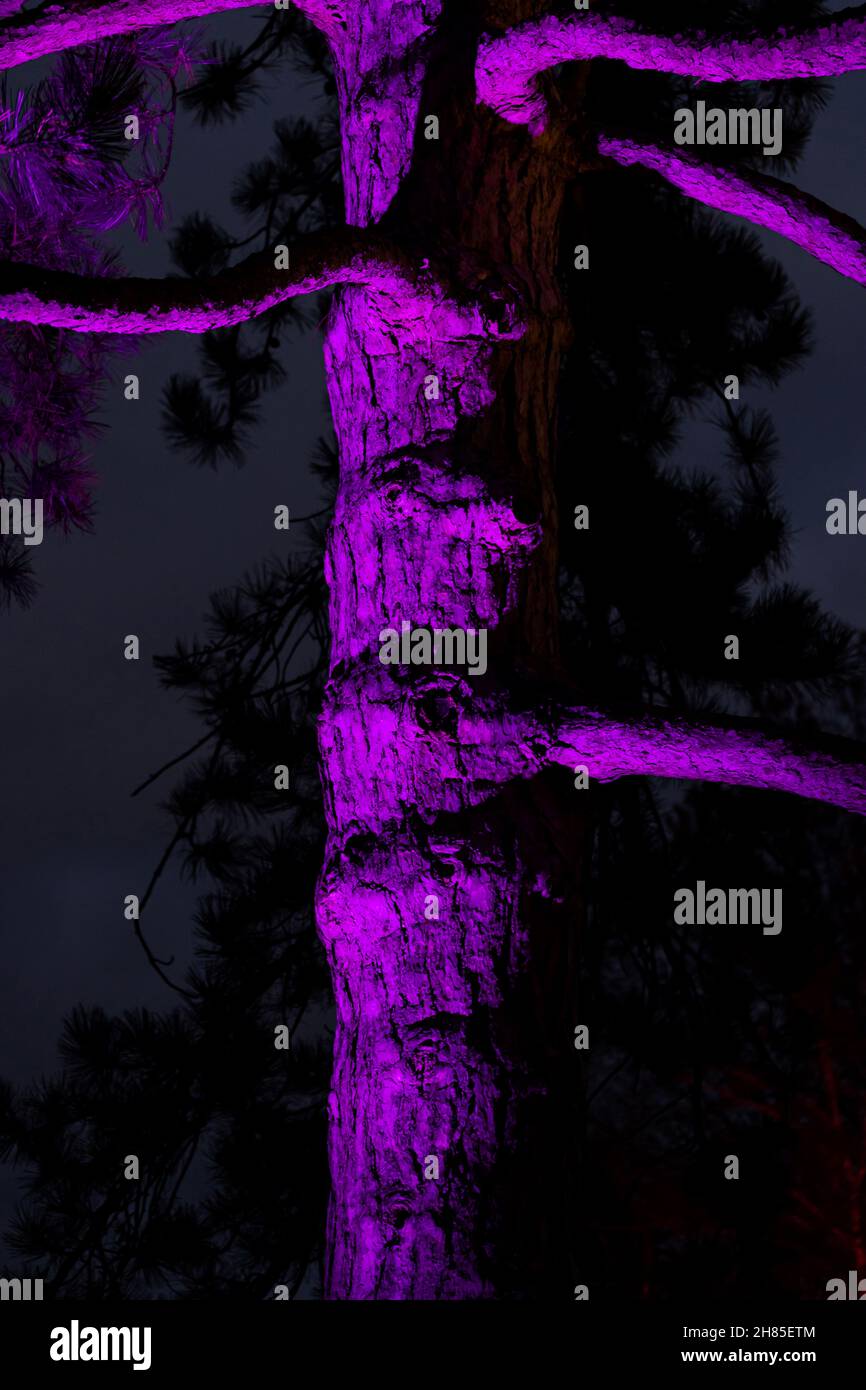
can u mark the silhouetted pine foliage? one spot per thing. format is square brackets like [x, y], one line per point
[293, 189]
[68, 175]
[701, 1046]
[704, 1042]
[230, 1130]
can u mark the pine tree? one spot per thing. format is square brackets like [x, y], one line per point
[69, 174]
[438, 789]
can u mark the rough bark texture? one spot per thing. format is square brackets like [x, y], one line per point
[828, 235]
[734, 752]
[508, 66]
[60, 24]
[453, 1038]
[453, 1078]
[407, 287]
[466, 746]
[473, 304]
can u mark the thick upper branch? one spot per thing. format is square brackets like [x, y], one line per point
[58, 24]
[828, 235]
[508, 66]
[408, 289]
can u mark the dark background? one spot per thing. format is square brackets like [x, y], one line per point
[82, 726]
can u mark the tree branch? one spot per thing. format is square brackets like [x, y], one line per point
[438, 746]
[507, 66]
[733, 751]
[59, 24]
[828, 235]
[409, 289]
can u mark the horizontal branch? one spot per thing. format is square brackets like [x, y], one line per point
[59, 24]
[508, 66]
[436, 745]
[828, 235]
[735, 752]
[409, 290]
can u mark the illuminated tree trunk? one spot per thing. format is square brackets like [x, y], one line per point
[450, 898]
[453, 1030]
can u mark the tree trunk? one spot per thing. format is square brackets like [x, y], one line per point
[454, 1067]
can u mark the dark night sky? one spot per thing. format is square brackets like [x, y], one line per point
[818, 409]
[82, 726]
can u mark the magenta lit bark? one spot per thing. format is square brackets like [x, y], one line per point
[431, 1060]
[656, 746]
[380, 63]
[408, 290]
[420, 1070]
[61, 24]
[827, 235]
[416, 535]
[440, 746]
[413, 540]
[508, 66]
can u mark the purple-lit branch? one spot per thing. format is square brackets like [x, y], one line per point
[508, 66]
[409, 293]
[60, 24]
[828, 235]
[390, 745]
[735, 753]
